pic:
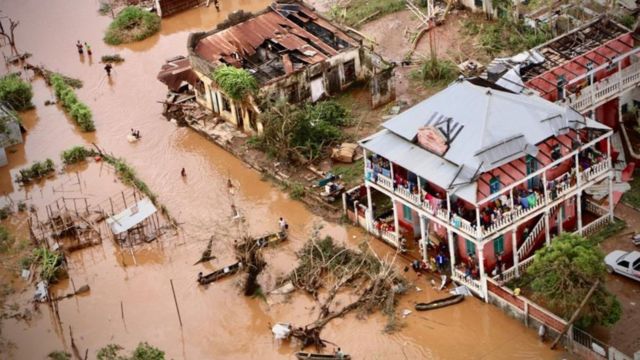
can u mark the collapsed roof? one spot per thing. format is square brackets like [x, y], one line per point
[484, 128]
[278, 41]
[567, 56]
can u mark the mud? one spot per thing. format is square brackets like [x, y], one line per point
[218, 321]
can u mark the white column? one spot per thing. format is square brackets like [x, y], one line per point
[395, 221]
[578, 177]
[483, 277]
[369, 209]
[478, 226]
[611, 214]
[579, 208]
[452, 253]
[544, 187]
[514, 245]
[547, 230]
[425, 238]
[560, 218]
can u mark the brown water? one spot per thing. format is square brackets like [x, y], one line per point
[218, 321]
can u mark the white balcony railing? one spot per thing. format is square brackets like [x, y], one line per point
[464, 225]
[606, 89]
[596, 225]
[595, 170]
[384, 181]
[510, 273]
[473, 285]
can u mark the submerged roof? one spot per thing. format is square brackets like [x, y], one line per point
[484, 127]
[131, 216]
[277, 41]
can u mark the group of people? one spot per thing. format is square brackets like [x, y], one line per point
[82, 47]
[135, 134]
[86, 47]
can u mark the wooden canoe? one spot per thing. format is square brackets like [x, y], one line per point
[219, 274]
[270, 239]
[436, 304]
[310, 356]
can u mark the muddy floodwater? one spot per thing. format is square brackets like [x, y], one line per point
[131, 299]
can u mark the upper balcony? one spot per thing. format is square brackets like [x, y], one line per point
[522, 198]
[585, 98]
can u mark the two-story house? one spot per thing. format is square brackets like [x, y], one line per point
[293, 52]
[482, 174]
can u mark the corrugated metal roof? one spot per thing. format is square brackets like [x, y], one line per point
[131, 216]
[244, 38]
[484, 118]
[420, 161]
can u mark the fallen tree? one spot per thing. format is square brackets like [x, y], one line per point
[323, 264]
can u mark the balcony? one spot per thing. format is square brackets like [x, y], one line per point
[473, 285]
[606, 89]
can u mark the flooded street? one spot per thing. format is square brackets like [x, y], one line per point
[128, 302]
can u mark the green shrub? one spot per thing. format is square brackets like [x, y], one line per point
[132, 24]
[112, 58]
[74, 155]
[237, 83]
[36, 171]
[16, 92]
[80, 112]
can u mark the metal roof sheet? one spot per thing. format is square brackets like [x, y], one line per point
[131, 216]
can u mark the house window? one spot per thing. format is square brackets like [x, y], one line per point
[556, 152]
[471, 247]
[226, 106]
[408, 216]
[494, 184]
[252, 120]
[349, 71]
[498, 245]
[532, 166]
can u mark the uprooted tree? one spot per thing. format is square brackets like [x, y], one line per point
[301, 132]
[325, 265]
[564, 272]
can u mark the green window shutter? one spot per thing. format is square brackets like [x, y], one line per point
[407, 213]
[494, 184]
[471, 247]
[498, 245]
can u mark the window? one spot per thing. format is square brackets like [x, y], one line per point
[226, 106]
[471, 247]
[252, 120]
[349, 71]
[407, 213]
[494, 184]
[532, 166]
[556, 152]
[498, 245]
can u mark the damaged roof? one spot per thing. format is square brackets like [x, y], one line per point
[177, 71]
[278, 41]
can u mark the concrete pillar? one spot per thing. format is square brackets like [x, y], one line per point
[483, 276]
[611, 205]
[579, 208]
[559, 218]
[452, 253]
[369, 215]
[424, 237]
[478, 226]
[547, 230]
[514, 245]
[396, 226]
